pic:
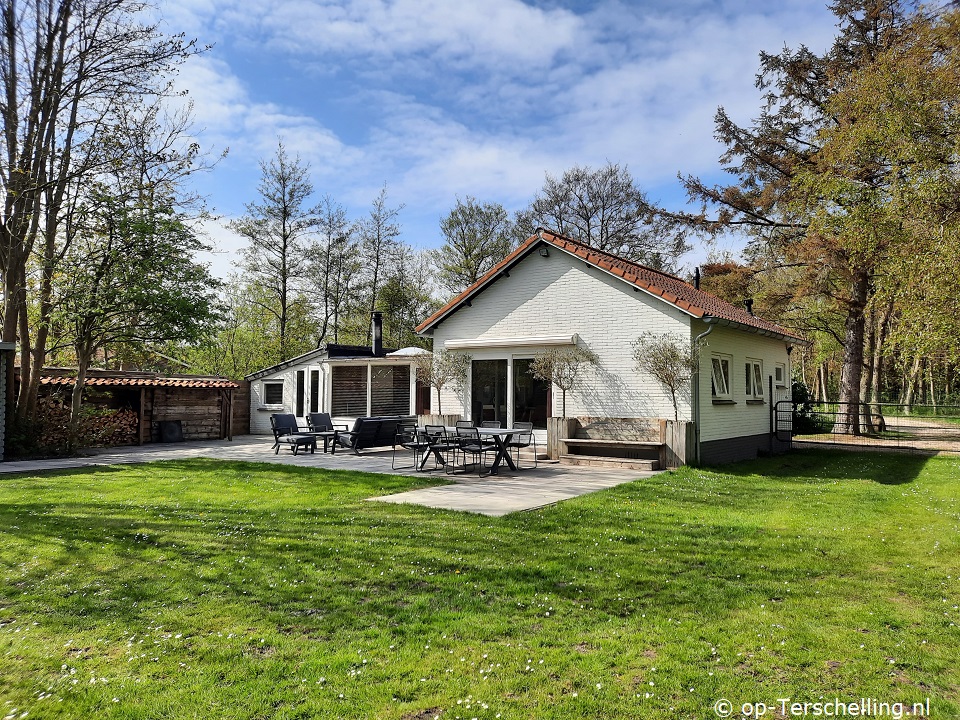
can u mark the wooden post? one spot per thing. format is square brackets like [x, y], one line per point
[143, 400]
[558, 430]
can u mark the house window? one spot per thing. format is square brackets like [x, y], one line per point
[349, 384]
[780, 375]
[720, 376]
[273, 393]
[390, 391]
[314, 391]
[753, 372]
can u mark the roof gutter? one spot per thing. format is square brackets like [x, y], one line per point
[710, 319]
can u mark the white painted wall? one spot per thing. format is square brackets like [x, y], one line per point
[741, 419]
[562, 295]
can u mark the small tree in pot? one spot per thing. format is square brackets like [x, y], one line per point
[564, 367]
[670, 360]
[442, 369]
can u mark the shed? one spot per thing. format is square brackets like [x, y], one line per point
[161, 408]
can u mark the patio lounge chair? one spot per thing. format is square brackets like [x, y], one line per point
[285, 430]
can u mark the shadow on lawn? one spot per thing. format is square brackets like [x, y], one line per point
[831, 465]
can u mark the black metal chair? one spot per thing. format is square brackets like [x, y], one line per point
[409, 438]
[468, 443]
[488, 441]
[286, 430]
[523, 439]
[440, 444]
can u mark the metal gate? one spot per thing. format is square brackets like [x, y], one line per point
[888, 426]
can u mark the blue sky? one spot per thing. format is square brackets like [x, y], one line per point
[445, 98]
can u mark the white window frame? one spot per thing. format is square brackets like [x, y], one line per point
[780, 375]
[753, 377]
[720, 383]
[264, 386]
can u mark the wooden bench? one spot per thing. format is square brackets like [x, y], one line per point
[627, 442]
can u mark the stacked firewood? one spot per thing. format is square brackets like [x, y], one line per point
[99, 427]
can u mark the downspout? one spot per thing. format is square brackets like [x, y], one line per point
[697, 341]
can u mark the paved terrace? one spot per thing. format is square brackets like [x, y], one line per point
[493, 495]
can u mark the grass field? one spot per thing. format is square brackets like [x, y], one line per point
[211, 589]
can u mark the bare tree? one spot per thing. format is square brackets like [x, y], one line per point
[604, 209]
[378, 243]
[442, 369]
[334, 267]
[670, 360]
[564, 367]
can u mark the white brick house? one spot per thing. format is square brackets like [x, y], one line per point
[552, 291]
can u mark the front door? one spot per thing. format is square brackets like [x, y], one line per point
[488, 385]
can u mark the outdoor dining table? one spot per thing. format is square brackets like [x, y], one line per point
[500, 436]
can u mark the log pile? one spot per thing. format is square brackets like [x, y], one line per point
[99, 427]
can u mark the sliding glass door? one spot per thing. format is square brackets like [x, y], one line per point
[488, 397]
[531, 396]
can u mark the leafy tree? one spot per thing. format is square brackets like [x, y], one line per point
[477, 237]
[278, 231]
[670, 360]
[564, 367]
[604, 209]
[406, 298]
[75, 75]
[132, 281]
[847, 149]
[444, 368]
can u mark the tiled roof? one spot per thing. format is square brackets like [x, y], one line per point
[693, 301]
[142, 382]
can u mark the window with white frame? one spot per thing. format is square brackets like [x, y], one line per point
[780, 375]
[753, 371]
[720, 376]
[273, 393]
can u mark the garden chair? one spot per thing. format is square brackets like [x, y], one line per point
[468, 443]
[523, 439]
[286, 430]
[409, 438]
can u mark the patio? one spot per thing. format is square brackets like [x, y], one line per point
[497, 495]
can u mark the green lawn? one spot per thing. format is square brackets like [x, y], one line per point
[227, 590]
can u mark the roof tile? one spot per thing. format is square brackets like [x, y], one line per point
[672, 289]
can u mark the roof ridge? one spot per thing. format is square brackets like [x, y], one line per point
[592, 248]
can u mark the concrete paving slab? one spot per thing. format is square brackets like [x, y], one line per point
[495, 495]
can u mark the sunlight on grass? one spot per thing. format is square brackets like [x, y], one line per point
[230, 590]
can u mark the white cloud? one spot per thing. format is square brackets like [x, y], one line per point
[476, 97]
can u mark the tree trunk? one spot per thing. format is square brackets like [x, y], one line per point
[76, 400]
[866, 380]
[877, 367]
[848, 417]
[909, 382]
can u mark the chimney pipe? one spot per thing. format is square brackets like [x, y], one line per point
[748, 303]
[377, 335]
[696, 278]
